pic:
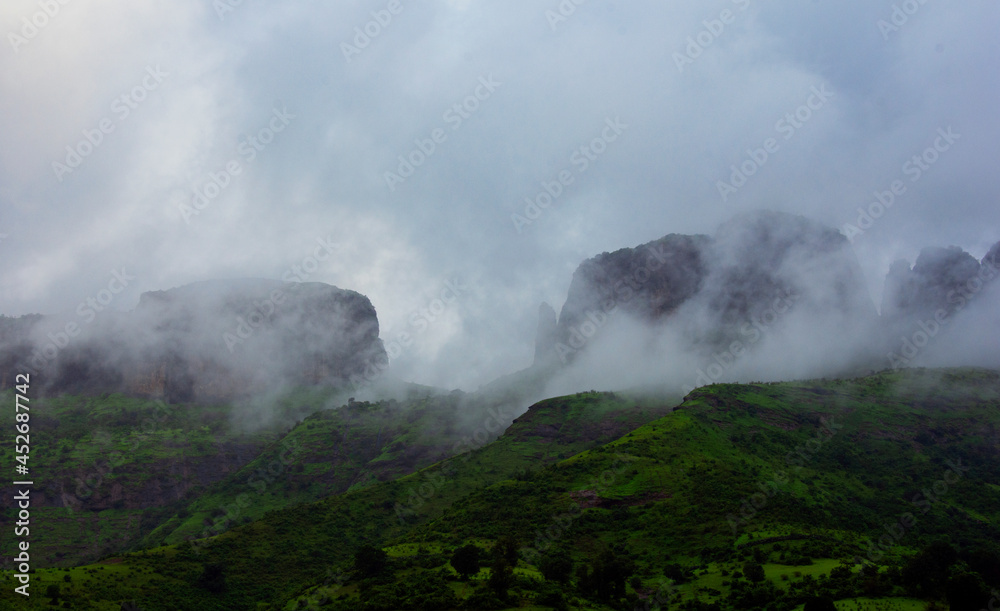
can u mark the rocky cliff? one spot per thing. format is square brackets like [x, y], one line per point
[718, 284]
[208, 341]
[762, 275]
[939, 280]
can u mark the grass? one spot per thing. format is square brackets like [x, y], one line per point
[593, 472]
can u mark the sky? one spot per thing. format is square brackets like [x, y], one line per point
[455, 161]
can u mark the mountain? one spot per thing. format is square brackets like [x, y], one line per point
[774, 284]
[939, 283]
[209, 341]
[124, 472]
[204, 451]
[744, 496]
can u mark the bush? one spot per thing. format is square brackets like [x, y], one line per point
[555, 600]
[212, 578]
[465, 560]
[556, 567]
[754, 572]
[370, 561]
[819, 604]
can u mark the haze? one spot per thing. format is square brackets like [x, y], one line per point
[393, 162]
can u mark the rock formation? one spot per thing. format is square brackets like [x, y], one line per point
[208, 341]
[718, 284]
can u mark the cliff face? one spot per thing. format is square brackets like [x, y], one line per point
[758, 257]
[209, 341]
[718, 284]
[649, 282]
[933, 283]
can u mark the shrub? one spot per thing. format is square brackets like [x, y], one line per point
[465, 560]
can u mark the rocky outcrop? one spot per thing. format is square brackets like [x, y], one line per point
[209, 341]
[937, 282]
[763, 276]
[757, 257]
[719, 284]
[649, 282]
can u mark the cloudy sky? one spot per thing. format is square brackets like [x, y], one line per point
[397, 140]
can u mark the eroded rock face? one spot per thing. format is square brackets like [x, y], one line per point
[932, 284]
[209, 341]
[761, 256]
[719, 284]
[650, 281]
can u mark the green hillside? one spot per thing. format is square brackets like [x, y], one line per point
[100, 464]
[881, 492]
[117, 473]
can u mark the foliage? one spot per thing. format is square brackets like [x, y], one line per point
[465, 560]
[742, 498]
[369, 561]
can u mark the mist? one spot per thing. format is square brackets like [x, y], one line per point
[189, 143]
[774, 297]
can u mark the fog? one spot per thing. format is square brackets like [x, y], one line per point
[778, 298]
[458, 162]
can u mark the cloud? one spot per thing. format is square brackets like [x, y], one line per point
[324, 174]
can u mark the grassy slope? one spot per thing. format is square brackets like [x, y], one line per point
[114, 472]
[671, 490]
[96, 461]
[327, 453]
[287, 550]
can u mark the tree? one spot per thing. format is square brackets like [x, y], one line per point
[212, 578]
[985, 560]
[966, 591]
[607, 575]
[821, 603]
[927, 573]
[501, 577]
[676, 573]
[370, 561]
[754, 572]
[556, 567]
[465, 560]
[506, 548]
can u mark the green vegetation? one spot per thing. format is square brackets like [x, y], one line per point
[874, 493]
